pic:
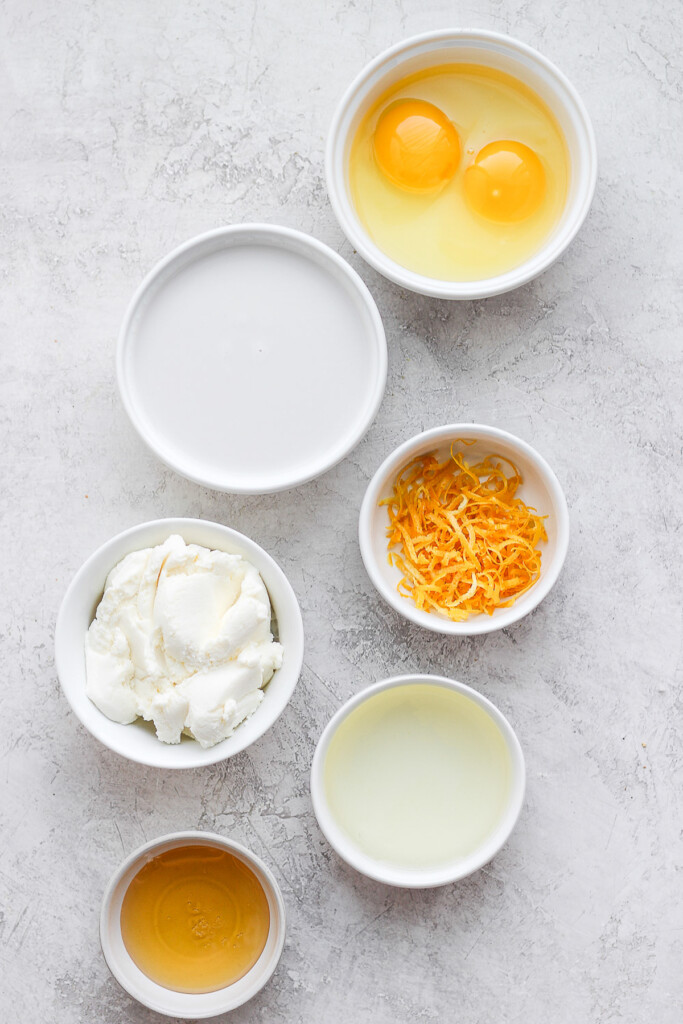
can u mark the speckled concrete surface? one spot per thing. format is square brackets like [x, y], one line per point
[129, 127]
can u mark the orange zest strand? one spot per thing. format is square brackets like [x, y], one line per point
[462, 541]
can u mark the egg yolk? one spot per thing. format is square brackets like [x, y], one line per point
[506, 182]
[416, 146]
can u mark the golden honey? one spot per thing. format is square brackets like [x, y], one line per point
[195, 919]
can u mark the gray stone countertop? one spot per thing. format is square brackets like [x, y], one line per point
[129, 127]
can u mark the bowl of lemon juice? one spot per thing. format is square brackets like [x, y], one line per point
[461, 164]
[418, 781]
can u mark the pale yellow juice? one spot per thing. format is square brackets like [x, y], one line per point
[439, 234]
[418, 775]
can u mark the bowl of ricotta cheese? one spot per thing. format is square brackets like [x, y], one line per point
[179, 643]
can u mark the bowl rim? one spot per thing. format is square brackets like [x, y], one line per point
[295, 648]
[341, 204]
[182, 838]
[292, 237]
[475, 625]
[407, 878]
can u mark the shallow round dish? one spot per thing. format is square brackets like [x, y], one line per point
[414, 877]
[476, 47]
[540, 488]
[184, 1004]
[252, 359]
[138, 741]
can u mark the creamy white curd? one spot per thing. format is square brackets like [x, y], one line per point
[182, 638]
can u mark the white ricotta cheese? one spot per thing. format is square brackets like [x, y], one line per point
[181, 638]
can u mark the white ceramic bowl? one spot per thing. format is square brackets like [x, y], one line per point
[418, 878]
[185, 1004]
[252, 359]
[540, 489]
[138, 741]
[478, 47]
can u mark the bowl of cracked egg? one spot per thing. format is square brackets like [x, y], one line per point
[461, 164]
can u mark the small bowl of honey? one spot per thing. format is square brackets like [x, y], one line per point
[461, 163]
[192, 925]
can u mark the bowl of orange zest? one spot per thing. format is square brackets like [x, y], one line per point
[464, 529]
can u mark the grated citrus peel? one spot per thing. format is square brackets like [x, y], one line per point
[464, 543]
